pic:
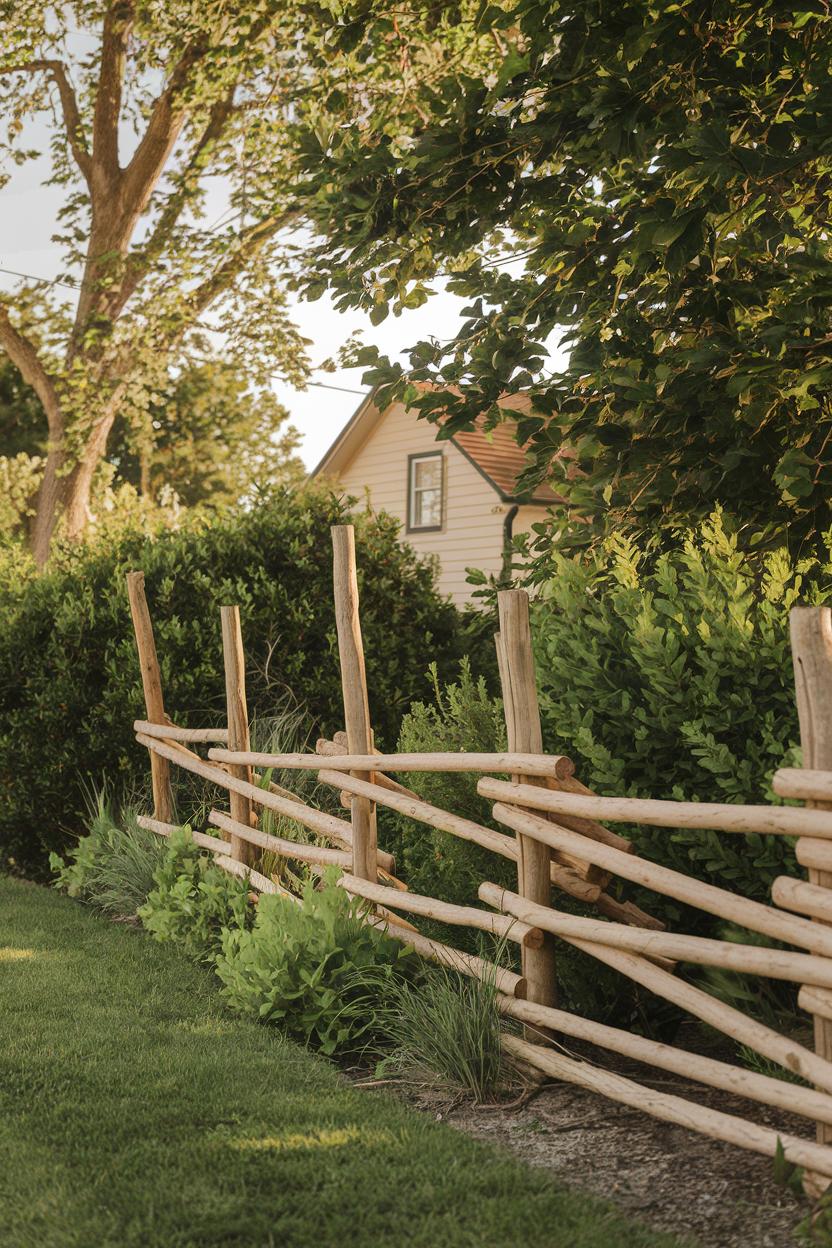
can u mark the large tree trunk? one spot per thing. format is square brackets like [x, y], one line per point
[47, 507]
[79, 482]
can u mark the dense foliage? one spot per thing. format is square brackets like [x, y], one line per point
[304, 967]
[669, 675]
[193, 901]
[660, 172]
[69, 680]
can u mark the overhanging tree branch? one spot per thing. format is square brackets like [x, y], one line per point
[24, 355]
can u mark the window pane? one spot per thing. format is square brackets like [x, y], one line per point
[428, 473]
[427, 508]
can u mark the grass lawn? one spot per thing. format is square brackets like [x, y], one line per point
[135, 1111]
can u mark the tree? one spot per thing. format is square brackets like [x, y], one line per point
[212, 441]
[661, 173]
[165, 101]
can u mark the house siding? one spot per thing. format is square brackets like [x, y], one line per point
[472, 522]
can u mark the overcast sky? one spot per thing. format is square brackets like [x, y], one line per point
[27, 220]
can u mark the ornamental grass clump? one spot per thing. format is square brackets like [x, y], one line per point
[111, 868]
[302, 967]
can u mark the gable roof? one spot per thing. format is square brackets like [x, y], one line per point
[495, 454]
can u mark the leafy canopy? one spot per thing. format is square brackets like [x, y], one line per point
[659, 174]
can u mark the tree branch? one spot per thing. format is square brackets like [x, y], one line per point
[251, 241]
[118, 22]
[69, 107]
[24, 355]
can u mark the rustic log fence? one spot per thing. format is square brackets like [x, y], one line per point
[558, 836]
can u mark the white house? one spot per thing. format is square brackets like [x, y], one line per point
[457, 498]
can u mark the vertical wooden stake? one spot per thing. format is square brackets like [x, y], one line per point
[238, 734]
[811, 637]
[152, 685]
[516, 664]
[354, 685]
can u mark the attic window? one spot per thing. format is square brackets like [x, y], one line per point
[424, 492]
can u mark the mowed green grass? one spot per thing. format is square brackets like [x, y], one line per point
[136, 1111]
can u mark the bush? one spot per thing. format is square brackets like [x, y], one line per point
[112, 868]
[69, 679]
[193, 901]
[669, 675]
[304, 966]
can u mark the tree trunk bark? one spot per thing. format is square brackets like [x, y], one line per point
[79, 482]
[47, 507]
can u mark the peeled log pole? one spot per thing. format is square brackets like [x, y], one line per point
[532, 764]
[172, 732]
[261, 882]
[443, 911]
[815, 1001]
[522, 715]
[238, 735]
[152, 686]
[199, 838]
[715, 1074]
[813, 853]
[319, 854]
[779, 820]
[797, 968]
[811, 641]
[354, 688]
[711, 1122]
[803, 898]
[466, 963]
[317, 820]
[751, 914]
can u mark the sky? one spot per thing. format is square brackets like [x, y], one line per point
[27, 220]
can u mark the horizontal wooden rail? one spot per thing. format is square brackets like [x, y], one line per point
[317, 820]
[261, 882]
[720, 816]
[530, 764]
[725, 905]
[815, 1001]
[172, 732]
[798, 968]
[711, 1122]
[199, 838]
[766, 1090]
[320, 854]
[802, 897]
[731, 1022]
[466, 963]
[814, 853]
[804, 783]
[444, 912]
[333, 749]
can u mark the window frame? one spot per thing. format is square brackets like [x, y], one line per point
[412, 460]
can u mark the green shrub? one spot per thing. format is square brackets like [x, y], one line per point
[193, 901]
[112, 867]
[303, 967]
[69, 679]
[669, 675]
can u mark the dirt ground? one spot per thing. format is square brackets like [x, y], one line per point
[665, 1176]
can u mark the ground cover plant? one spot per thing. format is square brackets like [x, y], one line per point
[136, 1112]
[69, 674]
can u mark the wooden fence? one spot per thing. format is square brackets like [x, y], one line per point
[558, 836]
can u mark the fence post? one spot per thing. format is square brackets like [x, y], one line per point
[238, 734]
[522, 714]
[811, 638]
[152, 686]
[354, 686]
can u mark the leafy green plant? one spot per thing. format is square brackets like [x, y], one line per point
[68, 668]
[301, 966]
[668, 674]
[445, 1029]
[193, 901]
[112, 867]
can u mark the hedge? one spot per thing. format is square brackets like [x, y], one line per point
[69, 679]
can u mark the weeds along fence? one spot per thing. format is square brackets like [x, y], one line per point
[557, 833]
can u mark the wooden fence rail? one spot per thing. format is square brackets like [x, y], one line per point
[557, 835]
